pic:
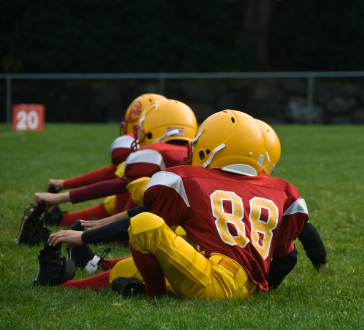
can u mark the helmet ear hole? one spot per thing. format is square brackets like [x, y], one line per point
[207, 152]
[201, 154]
[233, 119]
[149, 136]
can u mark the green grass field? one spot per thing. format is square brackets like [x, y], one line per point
[323, 162]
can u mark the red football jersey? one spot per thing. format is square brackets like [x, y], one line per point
[144, 162]
[120, 149]
[249, 219]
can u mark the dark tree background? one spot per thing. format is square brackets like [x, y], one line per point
[116, 36]
[180, 36]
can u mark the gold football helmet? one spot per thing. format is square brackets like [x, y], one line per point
[163, 121]
[135, 109]
[272, 145]
[230, 140]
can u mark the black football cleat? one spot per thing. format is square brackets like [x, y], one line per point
[53, 269]
[31, 230]
[82, 255]
[53, 216]
[128, 286]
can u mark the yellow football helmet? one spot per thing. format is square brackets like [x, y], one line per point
[272, 145]
[163, 121]
[134, 110]
[230, 140]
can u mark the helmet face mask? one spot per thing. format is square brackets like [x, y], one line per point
[230, 140]
[134, 110]
[164, 121]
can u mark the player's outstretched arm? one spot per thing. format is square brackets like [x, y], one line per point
[116, 217]
[51, 199]
[93, 224]
[279, 268]
[314, 246]
[105, 173]
[113, 232]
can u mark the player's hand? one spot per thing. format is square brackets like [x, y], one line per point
[55, 183]
[93, 224]
[71, 237]
[50, 199]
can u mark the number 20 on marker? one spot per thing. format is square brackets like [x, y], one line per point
[28, 117]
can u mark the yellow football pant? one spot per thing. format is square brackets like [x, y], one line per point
[189, 273]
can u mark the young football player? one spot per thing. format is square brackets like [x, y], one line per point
[119, 151]
[309, 236]
[164, 129]
[243, 224]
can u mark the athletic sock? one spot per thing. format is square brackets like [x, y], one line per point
[110, 263]
[97, 211]
[151, 271]
[96, 282]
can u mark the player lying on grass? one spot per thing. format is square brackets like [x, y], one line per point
[165, 127]
[243, 224]
[119, 151]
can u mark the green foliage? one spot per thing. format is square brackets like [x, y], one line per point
[318, 35]
[322, 162]
[122, 36]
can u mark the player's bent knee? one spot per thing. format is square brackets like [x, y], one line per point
[144, 222]
[125, 268]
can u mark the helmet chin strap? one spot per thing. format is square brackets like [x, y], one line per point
[213, 152]
[194, 140]
[268, 161]
[168, 134]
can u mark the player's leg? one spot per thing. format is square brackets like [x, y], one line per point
[95, 282]
[55, 270]
[125, 268]
[189, 272]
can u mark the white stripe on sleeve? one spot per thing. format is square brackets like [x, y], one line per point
[170, 180]
[299, 206]
[124, 141]
[146, 156]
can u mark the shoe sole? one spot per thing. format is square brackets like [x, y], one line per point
[69, 271]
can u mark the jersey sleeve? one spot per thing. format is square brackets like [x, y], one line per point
[143, 163]
[166, 197]
[99, 190]
[120, 149]
[86, 179]
[294, 219]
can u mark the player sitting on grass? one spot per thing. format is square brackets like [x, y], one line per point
[165, 128]
[119, 151]
[309, 237]
[243, 224]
